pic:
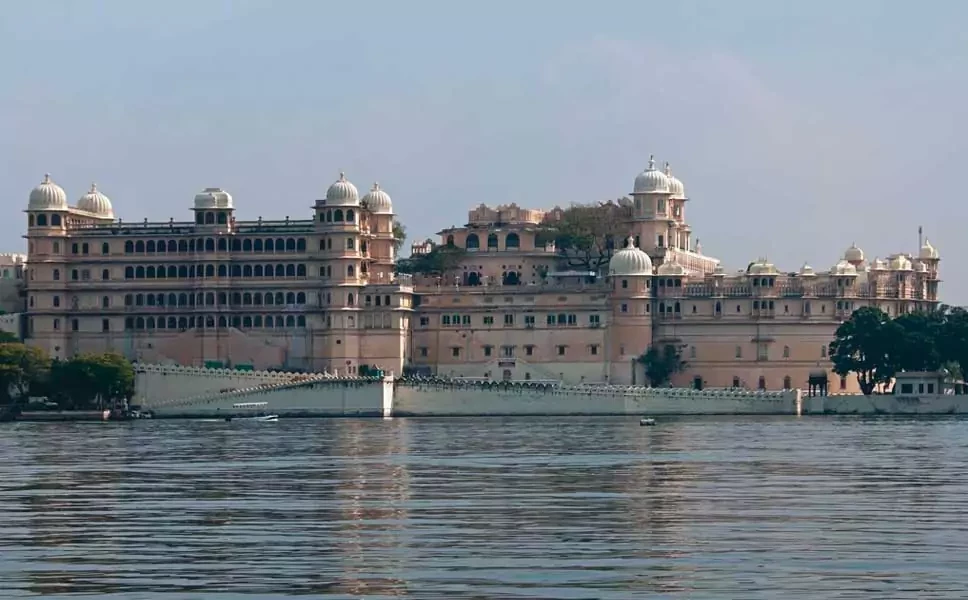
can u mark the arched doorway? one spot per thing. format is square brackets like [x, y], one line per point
[506, 375]
[697, 382]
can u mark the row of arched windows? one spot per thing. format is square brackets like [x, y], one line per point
[193, 271]
[217, 299]
[55, 220]
[511, 241]
[336, 215]
[221, 244]
[212, 322]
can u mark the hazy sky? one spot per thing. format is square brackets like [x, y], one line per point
[796, 127]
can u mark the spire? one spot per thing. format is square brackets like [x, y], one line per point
[93, 187]
[668, 169]
[376, 186]
[630, 242]
[342, 176]
[46, 177]
[651, 163]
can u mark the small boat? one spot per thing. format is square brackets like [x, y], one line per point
[647, 422]
[246, 406]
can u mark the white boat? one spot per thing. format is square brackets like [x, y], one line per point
[647, 422]
[254, 406]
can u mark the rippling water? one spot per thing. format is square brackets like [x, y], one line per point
[486, 508]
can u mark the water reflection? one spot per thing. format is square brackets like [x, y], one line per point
[462, 508]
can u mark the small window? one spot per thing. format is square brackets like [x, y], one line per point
[823, 351]
[739, 352]
[735, 382]
[561, 350]
[487, 350]
[593, 349]
[105, 325]
[455, 352]
[786, 352]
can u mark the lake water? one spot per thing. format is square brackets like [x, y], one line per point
[486, 508]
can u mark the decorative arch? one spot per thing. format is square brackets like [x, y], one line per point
[472, 242]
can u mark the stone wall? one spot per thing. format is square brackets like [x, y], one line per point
[154, 383]
[885, 404]
[444, 398]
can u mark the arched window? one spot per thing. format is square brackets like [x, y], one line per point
[246, 270]
[268, 299]
[236, 271]
[55, 220]
[236, 245]
[246, 245]
[761, 384]
[257, 271]
[172, 300]
[257, 245]
[210, 321]
[270, 245]
[349, 300]
[171, 271]
[787, 383]
[246, 322]
[209, 245]
[30, 220]
[719, 308]
[350, 216]
[290, 298]
[512, 241]
[210, 270]
[150, 272]
[139, 247]
[236, 298]
[139, 273]
[338, 215]
[290, 244]
[301, 298]
[350, 271]
[222, 321]
[280, 245]
[172, 248]
[209, 299]
[182, 246]
[222, 299]
[246, 299]
[280, 299]
[182, 299]
[300, 270]
[139, 323]
[41, 220]
[129, 247]
[329, 216]
[171, 323]
[105, 248]
[209, 218]
[280, 271]
[182, 323]
[105, 274]
[222, 245]
[257, 299]
[473, 242]
[449, 241]
[290, 270]
[150, 299]
[129, 323]
[492, 242]
[221, 218]
[290, 321]
[301, 245]
[150, 246]
[223, 271]
[279, 320]
[128, 299]
[269, 323]
[183, 272]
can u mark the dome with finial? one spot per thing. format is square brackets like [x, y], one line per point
[928, 252]
[762, 267]
[213, 198]
[630, 262]
[96, 203]
[854, 254]
[900, 263]
[671, 269]
[377, 201]
[843, 268]
[807, 271]
[676, 190]
[651, 180]
[47, 196]
[342, 193]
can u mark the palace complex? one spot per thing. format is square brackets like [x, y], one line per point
[321, 293]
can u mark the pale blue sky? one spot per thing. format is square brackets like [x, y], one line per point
[797, 128]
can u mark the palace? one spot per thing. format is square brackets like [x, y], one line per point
[321, 293]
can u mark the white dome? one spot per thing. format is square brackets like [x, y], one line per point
[807, 271]
[762, 267]
[671, 268]
[47, 196]
[342, 193]
[900, 263]
[630, 262]
[879, 264]
[213, 198]
[719, 270]
[854, 254]
[377, 201]
[843, 268]
[928, 252]
[96, 202]
[651, 180]
[677, 191]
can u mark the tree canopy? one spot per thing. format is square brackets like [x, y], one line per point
[399, 235]
[586, 235]
[662, 363]
[875, 347]
[438, 262]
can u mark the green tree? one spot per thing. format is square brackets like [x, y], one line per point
[438, 262]
[21, 368]
[89, 381]
[662, 363]
[586, 235]
[866, 344]
[8, 338]
[399, 235]
[920, 342]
